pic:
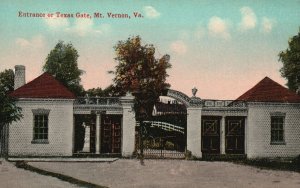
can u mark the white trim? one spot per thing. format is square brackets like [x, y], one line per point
[43, 99]
[40, 111]
[272, 104]
[278, 115]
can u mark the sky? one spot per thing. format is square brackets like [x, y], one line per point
[223, 48]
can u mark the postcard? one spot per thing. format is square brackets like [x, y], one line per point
[98, 93]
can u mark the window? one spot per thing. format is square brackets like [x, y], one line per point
[40, 126]
[277, 129]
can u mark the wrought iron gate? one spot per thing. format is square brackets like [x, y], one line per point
[161, 140]
[164, 136]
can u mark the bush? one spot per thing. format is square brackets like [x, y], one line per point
[296, 161]
[276, 164]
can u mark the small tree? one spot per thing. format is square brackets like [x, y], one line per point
[138, 71]
[291, 63]
[9, 112]
[7, 80]
[61, 62]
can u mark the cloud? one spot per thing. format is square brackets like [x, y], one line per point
[35, 42]
[57, 23]
[179, 47]
[22, 42]
[218, 28]
[81, 27]
[151, 12]
[248, 19]
[84, 27]
[31, 53]
[267, 25]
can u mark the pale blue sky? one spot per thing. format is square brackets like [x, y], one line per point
[221, 47]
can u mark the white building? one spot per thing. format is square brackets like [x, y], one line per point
[273, 120]
[263, 122]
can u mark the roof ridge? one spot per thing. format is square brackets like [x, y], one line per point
[43, 86]
[268, 90]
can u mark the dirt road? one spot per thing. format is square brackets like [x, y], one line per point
[173, 173]
[13, 177]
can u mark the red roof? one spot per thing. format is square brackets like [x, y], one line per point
[44, 86]
[268, 90]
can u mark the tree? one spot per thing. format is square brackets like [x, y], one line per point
[7, 80]
[138, 71]
[100, 92]
[61, 62]
[9, 112]
[291, 63]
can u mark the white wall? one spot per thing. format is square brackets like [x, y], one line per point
[259, 131]
[60, 131]
[128, 132]
[128, 125]
[194, 131]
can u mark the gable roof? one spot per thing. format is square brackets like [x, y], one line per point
[44, 86]
[268, 90]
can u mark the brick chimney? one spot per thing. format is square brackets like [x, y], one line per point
[19, 76]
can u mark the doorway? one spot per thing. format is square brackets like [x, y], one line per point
[210, 133]
[111, 133]
[235, 135]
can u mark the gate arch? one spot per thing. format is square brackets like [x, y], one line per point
[164, 136]
[167, 138]
[181, 97]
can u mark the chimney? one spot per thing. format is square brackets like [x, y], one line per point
[19, 76]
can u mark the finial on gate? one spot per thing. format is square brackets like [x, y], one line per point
[194, 91]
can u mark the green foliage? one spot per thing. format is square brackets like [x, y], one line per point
[61, 62]
[291, 62]
[9, 112]
[276, 163]
[223, 157]
[189, 156]
[138, 71]
[100, 92]
[7, 80]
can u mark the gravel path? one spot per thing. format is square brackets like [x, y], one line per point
[173, 173]
[13, 177]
